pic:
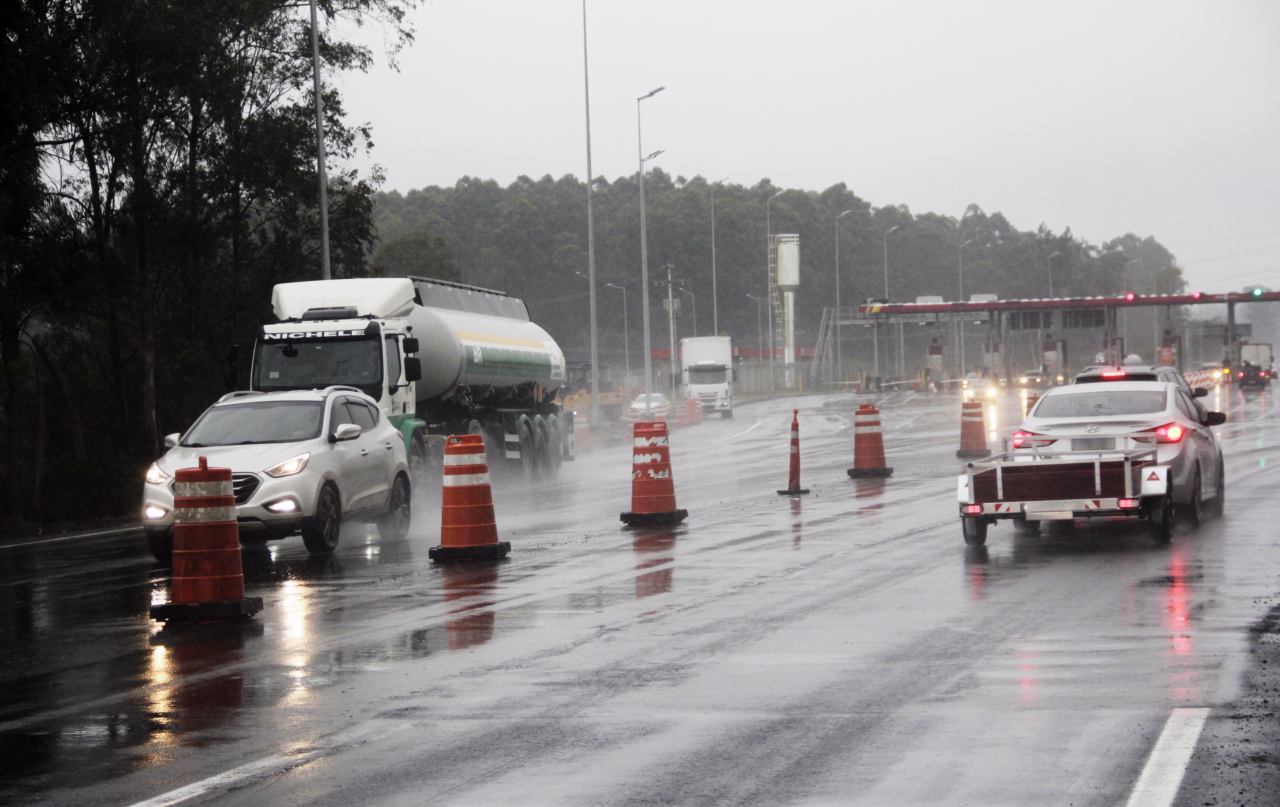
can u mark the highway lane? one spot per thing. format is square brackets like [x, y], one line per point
[844, 647]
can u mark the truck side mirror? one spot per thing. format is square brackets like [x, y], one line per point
[1200, 392]
[412, 368]
[410, 344]
[1215, 419]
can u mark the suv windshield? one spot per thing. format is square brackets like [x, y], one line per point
[1102, 403]
[258, 422]
[319, 363]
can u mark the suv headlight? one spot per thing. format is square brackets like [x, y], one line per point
[290, 466]
[155, 476]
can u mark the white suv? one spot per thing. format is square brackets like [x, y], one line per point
[300, 461]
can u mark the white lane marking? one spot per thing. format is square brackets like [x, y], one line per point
[1162, 776]
[756, 425]
[119, 531]
[266, 766]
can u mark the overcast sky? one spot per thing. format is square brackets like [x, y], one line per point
[1157, 118]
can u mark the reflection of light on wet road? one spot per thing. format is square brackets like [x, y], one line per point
[1176, 602]
[656, 548]
[993, 423]
[795, 521]
[469, 624]
[1027, 680]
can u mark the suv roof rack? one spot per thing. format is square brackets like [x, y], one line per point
[239, 394]
[327, 391]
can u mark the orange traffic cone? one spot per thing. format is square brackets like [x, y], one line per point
[868, 445]
[973, 443]
[208, 582]
[467, 527]
[793, 480]
[653, 491]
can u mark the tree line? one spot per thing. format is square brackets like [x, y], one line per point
[157, 177]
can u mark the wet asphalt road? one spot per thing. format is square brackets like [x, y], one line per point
[841, 648]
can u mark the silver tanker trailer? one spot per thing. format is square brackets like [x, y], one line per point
[441, 358]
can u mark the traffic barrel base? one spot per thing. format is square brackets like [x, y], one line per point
[208, 581]
[793, 478]
[653, 492]
[868, 445]
[973, 442]
[467, 527]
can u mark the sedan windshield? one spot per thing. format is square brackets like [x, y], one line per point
[1102, 403]
[259, 422]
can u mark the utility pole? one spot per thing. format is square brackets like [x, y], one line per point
[320, 167]
[715, 305]
[591, 236]
[671, 324]
[644, 261]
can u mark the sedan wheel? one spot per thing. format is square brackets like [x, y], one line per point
[320, 532]
[1195, 508]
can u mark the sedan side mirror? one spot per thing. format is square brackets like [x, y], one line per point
[346, 431]
[1215, 419]
[171, 440]
[412, 369]
[1200, 392]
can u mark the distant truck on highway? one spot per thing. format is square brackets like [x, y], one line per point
[1260, 355]
[707, 376]
[440, 358]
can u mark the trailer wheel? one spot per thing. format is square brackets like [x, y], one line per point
[975, 530]
[1160, 520]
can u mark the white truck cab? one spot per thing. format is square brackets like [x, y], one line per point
[707, 376]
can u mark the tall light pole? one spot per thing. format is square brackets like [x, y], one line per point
[768, 240]
[1048, 262]
[1124, 312]
[626, 344]
[759, 332]
[715, 305]
[694, 301]
[960, 266]
[644, 261]
[320, 167]
[886, 292]
[839, 356]
[591, 233]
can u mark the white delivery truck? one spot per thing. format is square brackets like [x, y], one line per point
[1258, 353]
[708, 372]
[481, 367]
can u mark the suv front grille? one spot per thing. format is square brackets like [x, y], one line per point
[245, 485]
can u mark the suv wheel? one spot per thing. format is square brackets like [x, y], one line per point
[161, 545]
[394, 526]
[320, 532]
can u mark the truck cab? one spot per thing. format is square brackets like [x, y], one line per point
[708, 375]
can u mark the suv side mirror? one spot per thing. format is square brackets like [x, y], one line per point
[412, 368]
[410, 344]
[171, 440]
[1215, 418]
[1200, 392]
[346, 431]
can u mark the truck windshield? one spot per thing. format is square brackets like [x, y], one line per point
[717, 375]
[260, 422]
[319, 363]
[1101, 403]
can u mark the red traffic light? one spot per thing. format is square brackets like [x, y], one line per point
[1129, 296]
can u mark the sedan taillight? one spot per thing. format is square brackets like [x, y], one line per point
[1023, 439]
[1168, 433]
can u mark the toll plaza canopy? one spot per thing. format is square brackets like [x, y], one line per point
[1123, 301]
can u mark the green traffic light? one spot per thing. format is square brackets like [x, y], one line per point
[1257, 292]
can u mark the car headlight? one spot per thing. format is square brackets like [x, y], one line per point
[991, 391]
[154, 512]
[285, 505]
[290, 466]
[155, 476]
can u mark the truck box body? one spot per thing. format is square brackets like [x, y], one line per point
[708, 372]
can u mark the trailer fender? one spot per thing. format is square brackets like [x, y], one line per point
[1155, 480]
[963, 493]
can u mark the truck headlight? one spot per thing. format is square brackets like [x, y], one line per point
[290, 466]
[155, 476]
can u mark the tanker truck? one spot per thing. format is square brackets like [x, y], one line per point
[440, 358]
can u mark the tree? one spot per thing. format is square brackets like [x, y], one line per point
[418, 253]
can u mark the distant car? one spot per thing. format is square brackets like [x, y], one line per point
[1164, 373]
[300, 462]
[656, 402]
[1252, 377]
[1136, 414]
[975, 387]
[1031, 378]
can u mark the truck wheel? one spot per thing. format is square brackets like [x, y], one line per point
[418, 463]
[975, 530]
[1195, 508]
[555, 448]
[320, 532]
[161, 545]
[1218, 504]
[394, 526]
[528, 455]
[1160, 520]
[726, 414]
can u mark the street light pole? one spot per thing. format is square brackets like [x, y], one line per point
[591, 234]
[626, 344]
[768, 233]
[694, 300]
[1048, 262]
[886, 291]
[715, 304]
[644, 262]
[839, 356]
[759, 332]
[960, 264]
[320, 159]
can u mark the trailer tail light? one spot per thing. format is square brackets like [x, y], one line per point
[1168, 433]
[1128, 504]
[1023, 439]
[973, 509]
[1242, 374]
